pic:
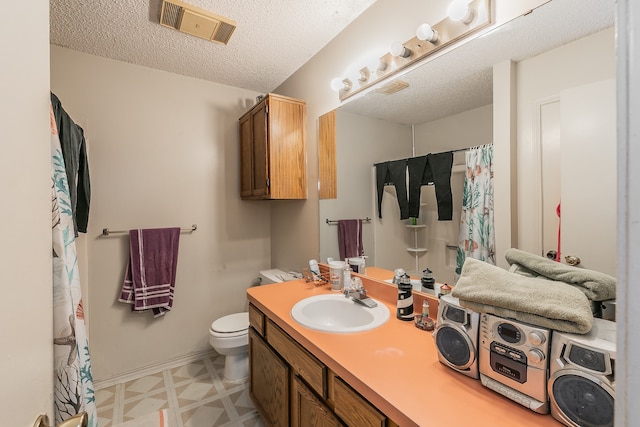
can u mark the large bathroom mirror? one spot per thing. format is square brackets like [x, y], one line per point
[560, 143]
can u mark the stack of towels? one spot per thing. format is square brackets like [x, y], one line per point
[535, 290]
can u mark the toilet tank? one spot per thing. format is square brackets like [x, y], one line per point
[275, 275]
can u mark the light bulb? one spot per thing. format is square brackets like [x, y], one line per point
[336, 84]
[459, 10]
[397, 49]
[427, 33]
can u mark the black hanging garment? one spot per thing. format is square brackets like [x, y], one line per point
[393, 173]
[74, 153]
[432, 169]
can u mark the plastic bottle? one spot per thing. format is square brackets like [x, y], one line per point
[315, 269]
[346, 278]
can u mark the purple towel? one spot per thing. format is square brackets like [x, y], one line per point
[350, 238]
[150, 275]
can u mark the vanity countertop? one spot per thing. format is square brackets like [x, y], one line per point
[395, 366]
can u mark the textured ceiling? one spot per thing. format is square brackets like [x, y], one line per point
[461, 79]
[272, 40]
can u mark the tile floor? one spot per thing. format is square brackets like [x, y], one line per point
[195, 395]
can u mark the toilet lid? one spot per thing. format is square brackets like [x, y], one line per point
[231, 323]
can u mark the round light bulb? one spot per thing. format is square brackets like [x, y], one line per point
[397, 49]
[459, 10]
[427, 33]
[336, 84]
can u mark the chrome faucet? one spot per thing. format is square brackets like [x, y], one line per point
[397, 274]
[358, 294]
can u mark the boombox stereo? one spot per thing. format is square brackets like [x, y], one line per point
[514, 360]
[456, 336]
[581, 376]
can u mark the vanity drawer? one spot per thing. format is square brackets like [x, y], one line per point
[302, 362]
[256, 319]
[353, 409]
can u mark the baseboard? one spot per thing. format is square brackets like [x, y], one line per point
[151, 369]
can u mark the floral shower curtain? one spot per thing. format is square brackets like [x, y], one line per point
[73, 382]
[477, 236]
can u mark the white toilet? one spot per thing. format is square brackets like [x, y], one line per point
[229, 335]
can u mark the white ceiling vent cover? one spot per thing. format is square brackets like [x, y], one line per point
[195, 21]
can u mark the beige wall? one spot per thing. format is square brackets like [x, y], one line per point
[26, 332]
[163, 151]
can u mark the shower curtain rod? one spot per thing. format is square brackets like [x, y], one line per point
[107, 232]
[448, 151]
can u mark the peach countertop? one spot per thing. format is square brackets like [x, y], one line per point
[395, 366]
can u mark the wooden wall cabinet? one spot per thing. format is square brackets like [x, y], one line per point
[290, 385]
[272, 149]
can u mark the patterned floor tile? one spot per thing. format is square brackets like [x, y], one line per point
[143, 385]
[242, 402]
[189, 371]
[195, 392]
[210, 414]
[145, 405]
[254, 421]
[106, 396]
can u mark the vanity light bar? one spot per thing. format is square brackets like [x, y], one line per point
[424, 44]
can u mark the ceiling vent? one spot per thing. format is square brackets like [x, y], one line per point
[195, 21]
[393, 87]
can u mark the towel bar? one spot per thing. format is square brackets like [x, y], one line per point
[107, 232]
[335, 221]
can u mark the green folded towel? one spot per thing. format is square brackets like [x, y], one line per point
[595, 285]
[485, 288]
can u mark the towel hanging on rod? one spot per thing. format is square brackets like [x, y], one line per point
[107, 232]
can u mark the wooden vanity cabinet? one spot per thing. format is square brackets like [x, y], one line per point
[269, 387]
[290, 385]
[272, 149]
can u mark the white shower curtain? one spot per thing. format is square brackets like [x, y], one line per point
[477, 232]
[73, 382]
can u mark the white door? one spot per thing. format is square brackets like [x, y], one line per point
[587, 175]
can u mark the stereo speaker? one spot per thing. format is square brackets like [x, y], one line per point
[581, 383]
[456, 336]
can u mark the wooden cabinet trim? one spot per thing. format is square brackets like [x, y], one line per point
[256, 319]
[353, 409]
[303, 362]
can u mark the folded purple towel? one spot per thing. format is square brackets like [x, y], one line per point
[150, 275]
[350, 238]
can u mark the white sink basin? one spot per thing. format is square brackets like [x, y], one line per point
[338, 314]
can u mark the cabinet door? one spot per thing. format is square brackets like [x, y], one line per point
[260, 165]
[246, 156]
[269, 382]
[307, 410]
[353, 409]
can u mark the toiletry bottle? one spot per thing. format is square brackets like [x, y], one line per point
[315, 269]
[405, 299]
[346, 278]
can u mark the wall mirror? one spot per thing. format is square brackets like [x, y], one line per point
[448, 105]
